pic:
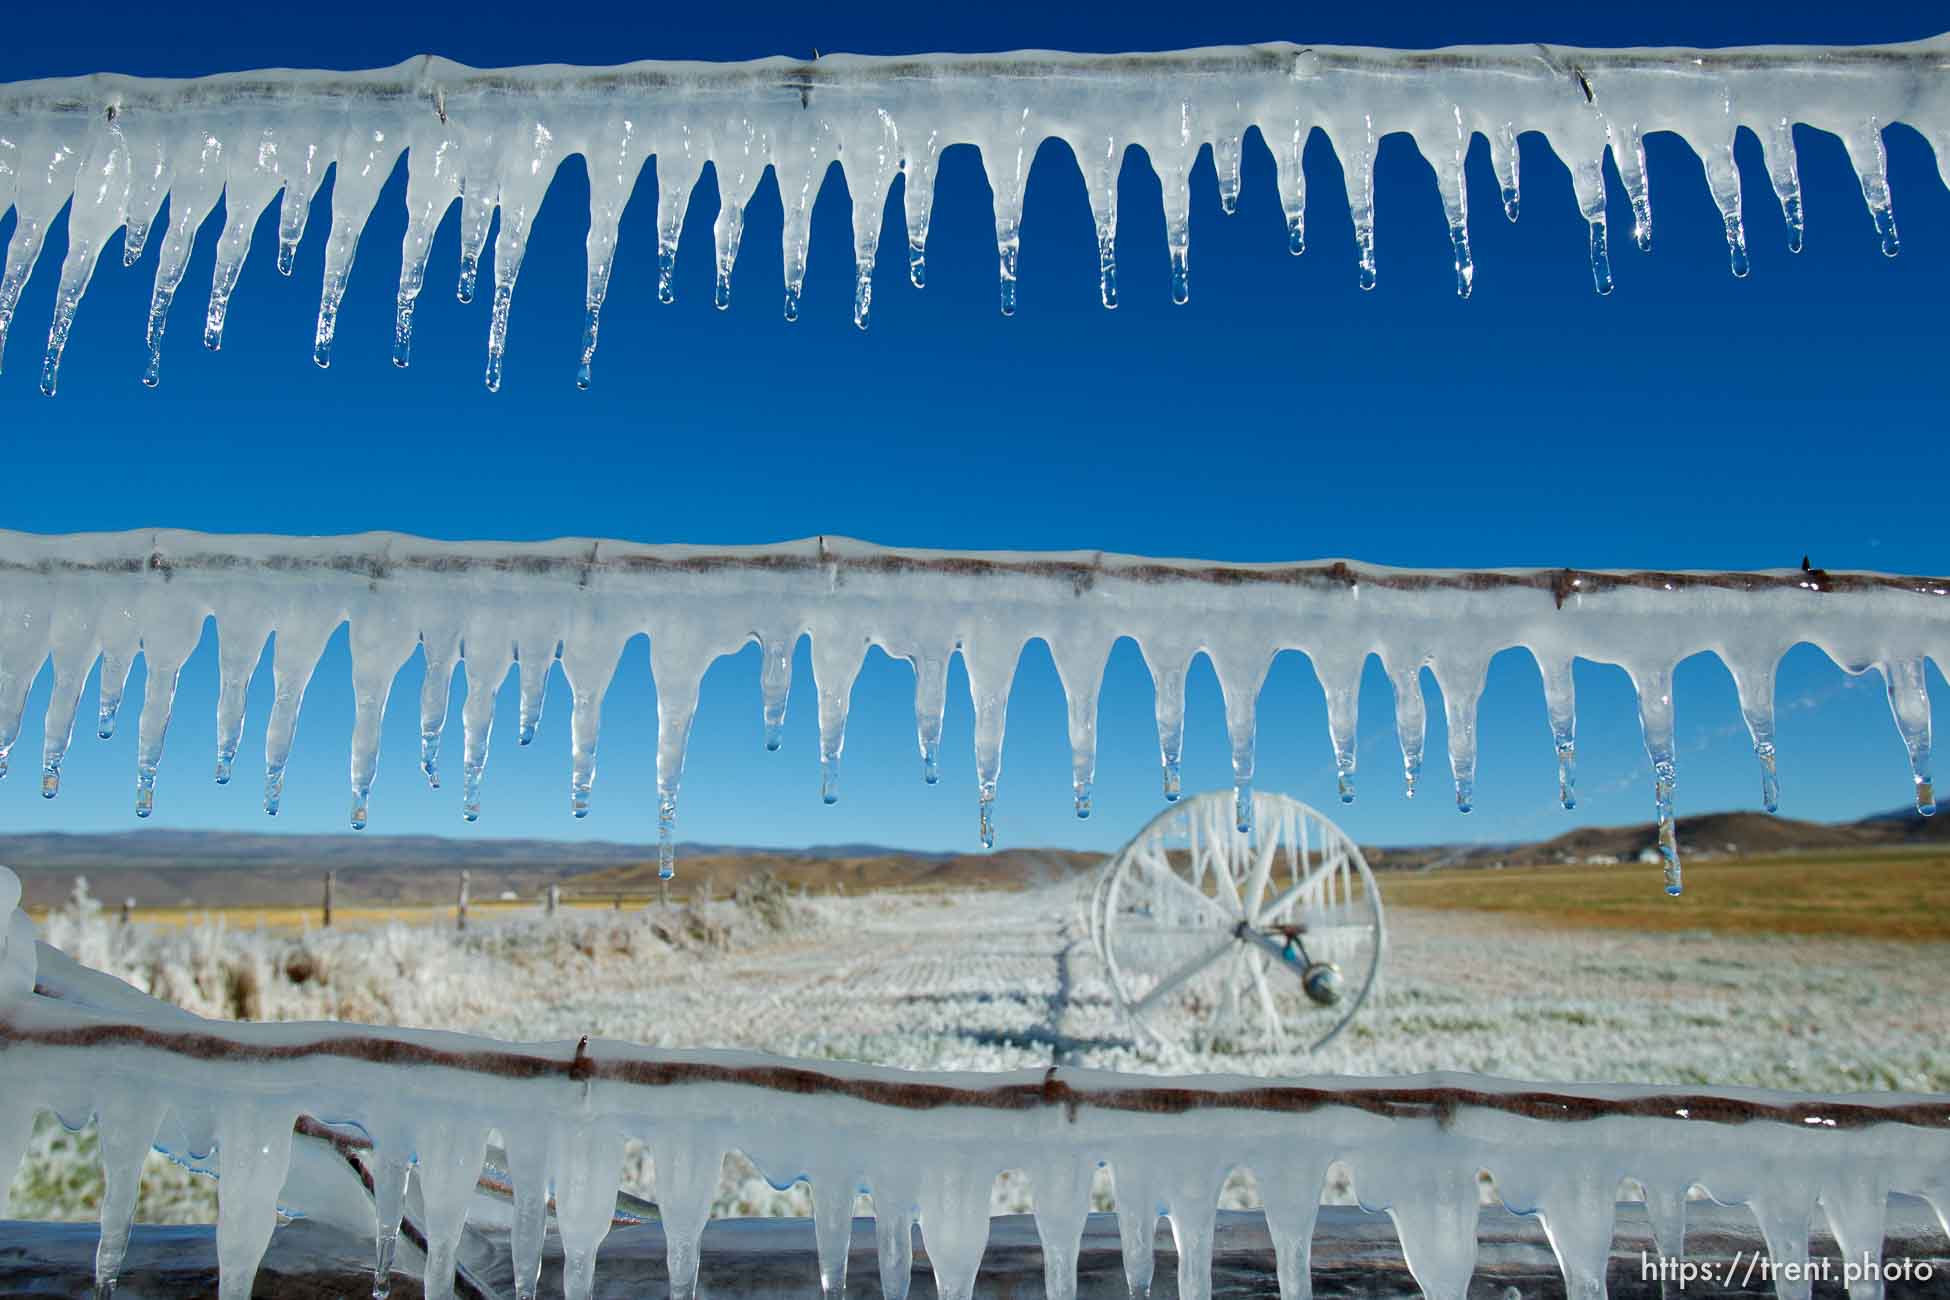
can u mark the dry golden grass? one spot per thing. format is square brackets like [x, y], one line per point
[1879, 895]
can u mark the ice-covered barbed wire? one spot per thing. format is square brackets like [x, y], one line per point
[529, 607]
[112, 148]
[377, 1107]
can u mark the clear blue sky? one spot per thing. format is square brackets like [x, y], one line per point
[1689, 420]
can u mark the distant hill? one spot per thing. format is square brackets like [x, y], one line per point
[177, 867]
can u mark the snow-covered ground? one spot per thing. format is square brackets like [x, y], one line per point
[996, 981]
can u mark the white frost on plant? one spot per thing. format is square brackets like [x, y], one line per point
[76, 599]
[112, 148]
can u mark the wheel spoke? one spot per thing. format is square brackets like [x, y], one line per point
[1173, 982]
[1291, 895]
[1178, 883]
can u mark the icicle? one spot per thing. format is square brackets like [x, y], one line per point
[1909, 701]
[452, 1148]
[954, 1200]
[1360, 200]
[1080, 667]
[533, 669]
[1856, 1199]
[1461, 683]
[71, 665]
[1723, 179]
[1453, 180]
[1168, 668]
[120, 643]
[164, 649]
[43, 190]
[1435, 1215]
[688, 1161]
[442, 652]
[1871, 158]
[365, 163]
[1578, 1204]
[871, 168]
[585, 1162]
[1629, 153]
[1173, 160]
[1411, 720]
[679, 667]
[125, 1131]
[1192, 1209]
[250, 180]
[1102, 160]
[1006, 157]
[991, 665]
[1240, 687]
[804, 156]
[917, 202]
[1505, 161]
[432, 185]
[1560, 704]
[677, 172]
[893, 1227]
[1753, 679]
[738, 170]
[379, 650]
[1290, 178]
[1588, 183]
[150, 176]
[528, 1158]
[487, 667]
[521, 193]
[240, 644]
[835, 666]
[614, 161]
[193, 193]
[589, 660]
[832, 1206]
[930, 703]
[1785, 1211]
[1061, 1186]
[254, 1152]
[480, 194]
[1665, 1206]
[302, 171]
[1291, 1194]
[775, 653]
[301, 640]
[1655, 718]
[391, 1164]
[1138, 1207]
[1784, 171]
[100, 205]
[1340, 681]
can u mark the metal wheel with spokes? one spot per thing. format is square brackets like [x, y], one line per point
[1271, 937]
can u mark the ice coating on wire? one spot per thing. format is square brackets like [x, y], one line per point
[575, 604]
[111, 148]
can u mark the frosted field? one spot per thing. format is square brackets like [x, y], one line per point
[1002, 981]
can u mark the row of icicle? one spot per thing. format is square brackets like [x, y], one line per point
[89, 624]
[564, 1141]
[117, 147]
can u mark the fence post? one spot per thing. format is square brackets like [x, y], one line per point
[554, 898]
[331, 887]
[460, 912]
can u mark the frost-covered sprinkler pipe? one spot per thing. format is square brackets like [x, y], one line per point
[927, 1146]
[73, 600]
[111, 148]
